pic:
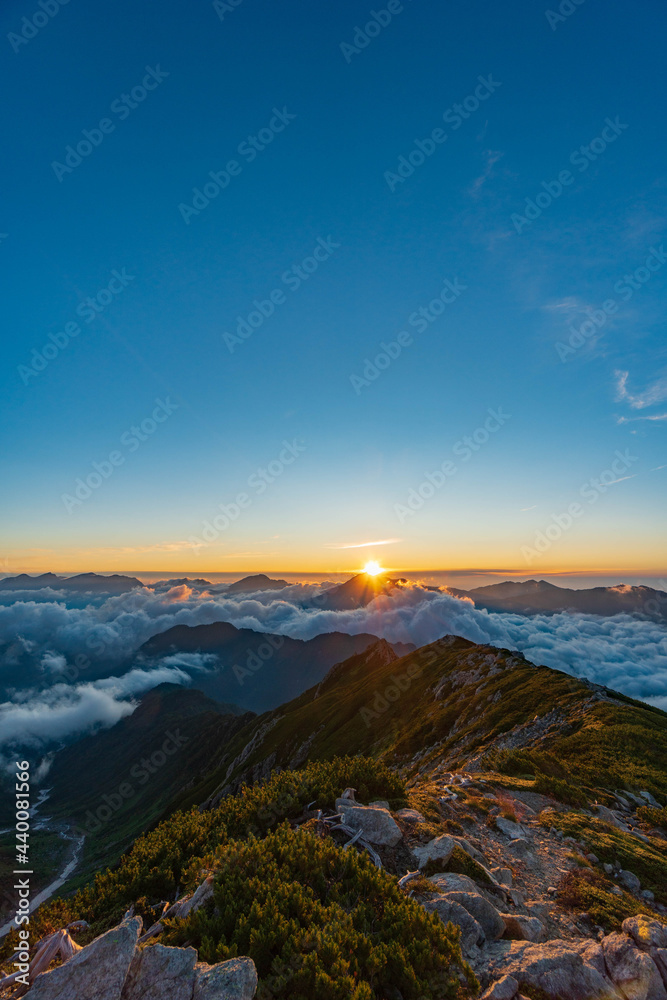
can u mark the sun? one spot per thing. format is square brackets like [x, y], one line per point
[372, 568]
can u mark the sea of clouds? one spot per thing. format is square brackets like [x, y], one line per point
[62, 700]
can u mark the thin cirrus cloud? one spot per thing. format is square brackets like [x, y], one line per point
[366, 545]
[653, 394]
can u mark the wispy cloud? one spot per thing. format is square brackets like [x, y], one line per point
[528, 508]
[366, 545]
[630, 420]
[652, 394]
[492, 157]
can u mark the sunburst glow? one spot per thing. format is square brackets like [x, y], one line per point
[372, 568]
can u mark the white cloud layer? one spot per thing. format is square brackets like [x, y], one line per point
[622, 652]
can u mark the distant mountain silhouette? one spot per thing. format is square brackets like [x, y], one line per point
[258, 582]
[259, 670]
[539, 597]
[81, 583]
[356, 592]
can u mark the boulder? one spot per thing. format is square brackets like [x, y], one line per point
[439, 849]
[504, 989]
[633, 971]
[520, 928]
[453, 882]
[377, 825]
[235, 979]
[97, 972]
[473, 852]
[607, 816]
[503, 876]
[659, 956]
[161, 973]
[509, 828]
[410, 816]
[645, 931]
[482, 910]
[555, 968]
[520, 847]
[472, 934]
[629, 880]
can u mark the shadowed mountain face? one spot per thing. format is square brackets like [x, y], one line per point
[258, 670]
[115, 783]
[82, 583]
[540, 597]
[356, 592]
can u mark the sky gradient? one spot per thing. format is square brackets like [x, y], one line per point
[473, 195]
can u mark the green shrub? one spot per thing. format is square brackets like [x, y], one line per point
[588, 890]
[319, 921]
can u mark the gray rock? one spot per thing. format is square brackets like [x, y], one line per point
[472, 934]
[509, 828]
[232, 980]
[632, 970]
[520, 928]
[520, 847]
[473, 852]
[410, 816]
[608, 868]
[504, 989]
[659, 956]
[482, 910]
[438, 849]
[379, 804]
[161, 973]
[502, 875]
[97, 972]
[645, 931]
[453, 882]
[651, 801]
[557, 969]
[629, 880]
[377, 825]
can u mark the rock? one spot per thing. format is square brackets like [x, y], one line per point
[472, 934]
[556, 969]
[608, 868]
[607, 816]
[659, 956]
[235, 979]
[190, 904]
[520, 928]
[410, 816]
[520, 847]
[453, 882]
[503, 876]
[633, 971]
[509, 828]
[593, 858]
[482, 910]
[645, 931]
[476, 855]
[504, 989]
[379, 804]
[438, 849]
[629, 880]
[377, 825]
[161, 973]
[97, 972]
[516, 897]
[647, 895]
[651, 801]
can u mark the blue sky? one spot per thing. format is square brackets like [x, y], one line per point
[327, 175]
